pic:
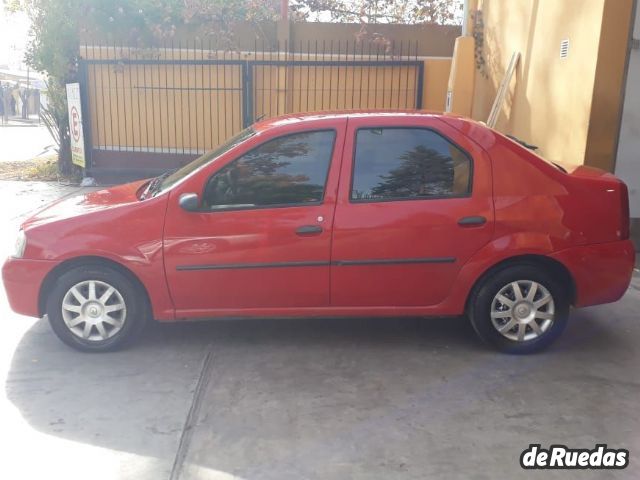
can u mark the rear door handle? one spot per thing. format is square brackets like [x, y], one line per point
[308, 230]
[472, 221]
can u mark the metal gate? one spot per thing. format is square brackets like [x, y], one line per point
[149, 110]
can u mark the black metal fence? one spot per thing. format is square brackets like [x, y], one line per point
[147, 110]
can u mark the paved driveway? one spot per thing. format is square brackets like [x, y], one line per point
[310, 399]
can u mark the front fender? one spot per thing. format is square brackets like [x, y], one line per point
[128, 234]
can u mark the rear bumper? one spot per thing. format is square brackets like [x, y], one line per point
[601, 272]
[22, 280]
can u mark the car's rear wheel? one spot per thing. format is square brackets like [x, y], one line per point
[519, 309]
[96, 308]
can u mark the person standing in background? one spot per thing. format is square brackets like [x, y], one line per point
[12, 103]
[3, 118]
[17, 100]
[5, 98]
[24, 100]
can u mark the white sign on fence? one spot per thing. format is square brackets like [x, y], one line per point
[75, 124]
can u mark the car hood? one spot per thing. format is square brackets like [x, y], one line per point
[90, 202]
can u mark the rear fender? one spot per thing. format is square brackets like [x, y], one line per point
[492, 254]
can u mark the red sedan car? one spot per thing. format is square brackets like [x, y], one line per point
[335, 214]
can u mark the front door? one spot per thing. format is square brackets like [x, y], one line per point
[261, 240]
[414, 204]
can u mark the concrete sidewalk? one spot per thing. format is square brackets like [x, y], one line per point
[310, 399]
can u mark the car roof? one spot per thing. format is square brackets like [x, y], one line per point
[341, 114]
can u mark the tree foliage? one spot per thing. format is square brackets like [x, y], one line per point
[442, 12]
[53, 49]
[57, 27]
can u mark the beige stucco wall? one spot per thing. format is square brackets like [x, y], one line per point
[436, 78]
[420, 40]
[462, 77]
[565, 106]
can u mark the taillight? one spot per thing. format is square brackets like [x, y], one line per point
[624, 212]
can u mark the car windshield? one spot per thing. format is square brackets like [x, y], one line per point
[199, 162]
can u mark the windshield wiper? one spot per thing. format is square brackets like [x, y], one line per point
[154, 185]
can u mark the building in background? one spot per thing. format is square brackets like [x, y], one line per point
[21, 89]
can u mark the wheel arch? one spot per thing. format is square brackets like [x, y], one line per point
[550, 265]
[86, 260]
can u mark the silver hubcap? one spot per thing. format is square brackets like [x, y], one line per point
[522, 310]
[93, 310]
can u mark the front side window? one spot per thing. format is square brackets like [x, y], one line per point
[408, 163]
[208, 157]
[289, 170]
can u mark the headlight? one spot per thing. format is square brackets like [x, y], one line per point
[21, 243]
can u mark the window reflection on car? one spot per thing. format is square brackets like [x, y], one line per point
[283, 171]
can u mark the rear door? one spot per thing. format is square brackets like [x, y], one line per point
[414, 204]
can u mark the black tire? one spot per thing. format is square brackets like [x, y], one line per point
[481, 301]
[135, 315]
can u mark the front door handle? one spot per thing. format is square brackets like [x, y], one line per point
[308, 230]
[472, 221]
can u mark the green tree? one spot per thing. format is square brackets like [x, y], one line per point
[442, 12]
[52, 49]
[58, 26]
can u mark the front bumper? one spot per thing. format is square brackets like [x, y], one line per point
[601, 272]
[22, 280]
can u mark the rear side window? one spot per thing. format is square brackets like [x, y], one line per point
[408, 163]
[289, 170]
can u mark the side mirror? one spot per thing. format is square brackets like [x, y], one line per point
[189, 202]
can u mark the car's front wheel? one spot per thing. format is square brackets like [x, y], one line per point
[96, 308]
[519, 309]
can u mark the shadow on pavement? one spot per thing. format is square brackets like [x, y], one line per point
[136, 400]
[333, 398]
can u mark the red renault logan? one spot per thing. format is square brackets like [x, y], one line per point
[335, 214]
